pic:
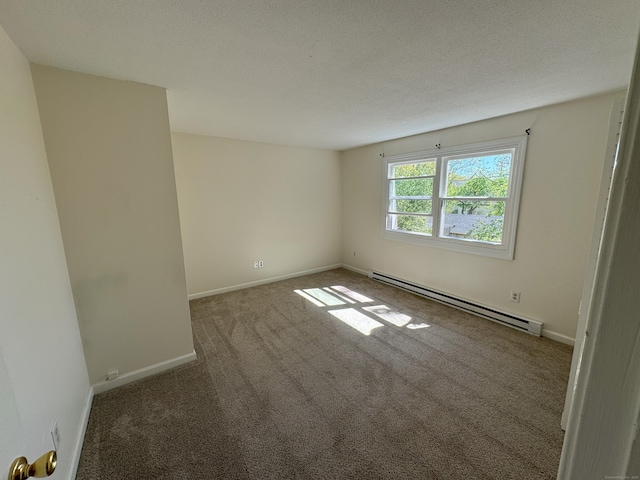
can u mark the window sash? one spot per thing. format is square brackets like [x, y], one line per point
[514, 146]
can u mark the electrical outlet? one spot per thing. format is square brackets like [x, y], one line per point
[55, 435]
[256, 264]
[515, 296]
[260, 263]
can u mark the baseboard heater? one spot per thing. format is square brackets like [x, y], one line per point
[529, 326]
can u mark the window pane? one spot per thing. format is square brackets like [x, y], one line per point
[411, 206]
[481, 221]
[411, 223]
[414, 169]
[479, 176]
[416, 187]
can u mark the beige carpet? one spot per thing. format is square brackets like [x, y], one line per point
[360, 381]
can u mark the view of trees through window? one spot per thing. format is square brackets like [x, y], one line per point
[474, 196]
[477, 184]
[411, 196]
[461, 198]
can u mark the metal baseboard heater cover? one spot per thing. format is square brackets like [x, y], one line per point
[530, 326]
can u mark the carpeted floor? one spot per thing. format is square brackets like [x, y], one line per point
[360, 381]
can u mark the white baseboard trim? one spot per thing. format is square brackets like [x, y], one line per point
[265, 281]
[82, 430]
[558, 337]
[355, 270]
[125, 378]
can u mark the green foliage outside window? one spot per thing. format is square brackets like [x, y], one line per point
[468, 177]
[490, 231]
[413, 187]
[478, 177]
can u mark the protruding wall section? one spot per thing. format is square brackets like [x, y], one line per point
[109, 150]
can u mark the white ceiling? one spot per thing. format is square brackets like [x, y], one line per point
[337, 73]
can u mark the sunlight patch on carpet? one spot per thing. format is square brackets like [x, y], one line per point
[343, 297]
[317, 303]
[358, 297]
[356, 320]
[363, 321]
[415, 326]
[319, 297]
[385, 313]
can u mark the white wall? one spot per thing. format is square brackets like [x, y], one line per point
[45, 376]
[243, 201]
[565, 154]
[602, 432]
[109, 150]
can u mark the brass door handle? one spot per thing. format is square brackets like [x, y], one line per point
[42, 467]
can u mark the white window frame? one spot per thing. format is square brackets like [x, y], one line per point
[505, 250]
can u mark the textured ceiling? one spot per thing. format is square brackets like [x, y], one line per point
[337, 73]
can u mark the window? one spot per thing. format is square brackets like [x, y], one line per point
[461, 198]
